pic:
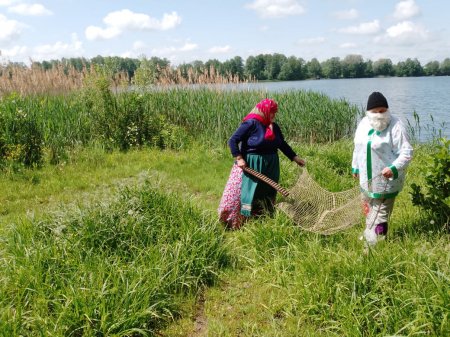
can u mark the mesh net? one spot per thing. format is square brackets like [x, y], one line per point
[315, 209]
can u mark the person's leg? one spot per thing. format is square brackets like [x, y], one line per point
[251, 186]
[377, 218]
[265, 195]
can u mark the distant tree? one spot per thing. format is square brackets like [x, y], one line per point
[292, 69]
[432, 68]
[410, 67]
[383, 67]
[235, 67]
[77, 63]
[198, 66]
[273, 65]
[98, 60]
[368, 69]
[214, 64]
[353, 66]
[313, 69]
[129, 65]
[46, 65]
[332, 68]
[149, 70]
[184, 70]
[254, 67]
[445, 67]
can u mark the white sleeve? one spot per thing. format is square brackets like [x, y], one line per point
[355, 165]
[401, 147]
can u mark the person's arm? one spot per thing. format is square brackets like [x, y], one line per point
[402, 147]
[238, 136]
[287, 150]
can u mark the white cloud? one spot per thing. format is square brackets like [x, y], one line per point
[7, 2]
[312, 41]
[364, 28]
[346, 15]
[219, 50]
[58, 50]
[406, 30]
[170, 51]
[404, 33]
[406, 10]
[16, 52]
[119, 21]
[139, 45]
[126, 19]
[30, 10]
[97, 33]
[347, 45]
[10, 29]
[276, 8]
[140, 48]
[188, 46]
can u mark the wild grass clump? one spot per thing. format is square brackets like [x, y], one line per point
[35, 128]
[21, 138]
[128, 120]
[214, 114]
[399, 289]
[118, 269]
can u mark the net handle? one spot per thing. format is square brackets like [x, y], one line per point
[284, 192]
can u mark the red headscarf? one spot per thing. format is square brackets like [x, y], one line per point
[266, 107]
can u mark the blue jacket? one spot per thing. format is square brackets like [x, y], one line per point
[249, 138]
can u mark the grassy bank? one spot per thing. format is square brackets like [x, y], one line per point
[101, 268]
[124, 265]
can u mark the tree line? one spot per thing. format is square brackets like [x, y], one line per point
[271, 67]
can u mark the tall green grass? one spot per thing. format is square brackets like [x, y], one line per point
[34, 129]
[305, 116]
[122, 269]
[287, 282]
[401, 288]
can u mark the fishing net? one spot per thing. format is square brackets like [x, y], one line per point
[318, 210]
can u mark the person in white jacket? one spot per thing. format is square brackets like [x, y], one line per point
[381, 154]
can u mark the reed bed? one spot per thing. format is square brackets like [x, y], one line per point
[59, 80]
[35, 80]
[47, 126]
[121, 269]
[175, 76]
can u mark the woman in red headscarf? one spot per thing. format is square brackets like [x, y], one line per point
[255, 144]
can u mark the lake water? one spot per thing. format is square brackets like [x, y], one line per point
[429, 97]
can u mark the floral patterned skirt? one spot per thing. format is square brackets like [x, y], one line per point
[230, 204]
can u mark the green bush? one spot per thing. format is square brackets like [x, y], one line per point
[21, 137]
[435, 197]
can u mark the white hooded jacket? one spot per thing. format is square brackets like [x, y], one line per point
[375, 150]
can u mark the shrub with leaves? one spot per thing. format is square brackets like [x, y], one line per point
[21, 138]
[435, 197]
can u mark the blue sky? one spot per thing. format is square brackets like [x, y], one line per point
[188, 30]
